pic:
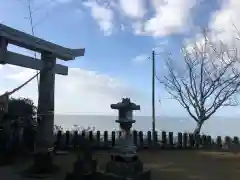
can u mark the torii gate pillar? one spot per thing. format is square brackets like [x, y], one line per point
[46, 102]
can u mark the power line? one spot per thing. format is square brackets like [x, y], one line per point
[33, 33]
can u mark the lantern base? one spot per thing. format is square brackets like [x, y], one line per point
[121, 171]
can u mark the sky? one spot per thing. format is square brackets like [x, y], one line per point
[118, 37]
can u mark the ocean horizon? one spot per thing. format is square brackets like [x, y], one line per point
[216, 126]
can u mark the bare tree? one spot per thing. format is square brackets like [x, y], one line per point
[206, 79]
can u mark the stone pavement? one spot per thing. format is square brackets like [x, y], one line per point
[7, 173]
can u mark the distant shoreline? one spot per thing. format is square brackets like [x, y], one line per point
[216, 126]
[164, 116]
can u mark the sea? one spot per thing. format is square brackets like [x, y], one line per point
[216, 126]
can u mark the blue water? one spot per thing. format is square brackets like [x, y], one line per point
[217, 126]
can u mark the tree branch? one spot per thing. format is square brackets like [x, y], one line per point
[208, 81]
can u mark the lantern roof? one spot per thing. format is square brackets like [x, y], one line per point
[126, 104]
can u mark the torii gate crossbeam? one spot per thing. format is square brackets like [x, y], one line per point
[48, 68]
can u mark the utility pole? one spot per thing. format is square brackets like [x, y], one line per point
[153, 94]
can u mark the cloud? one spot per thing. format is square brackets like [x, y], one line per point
[223, 26]
[81, 92]
[164, 22]
[133, 9]
[223, 21]
[190, 43]
[102, 15]
[140, 58]
[169, 17]
[161, 46]
[154, 18]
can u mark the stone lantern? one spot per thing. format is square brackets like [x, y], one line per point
[124, 161]
[124, 148]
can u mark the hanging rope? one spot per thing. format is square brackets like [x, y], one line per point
[24, 84]
[4, 98]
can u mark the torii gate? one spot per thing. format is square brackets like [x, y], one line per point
[48, 68]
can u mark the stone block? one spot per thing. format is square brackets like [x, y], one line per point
[144, 175]
[83, 169]
[42, 167]
[82, 177]
[126, 169]
[85, 166]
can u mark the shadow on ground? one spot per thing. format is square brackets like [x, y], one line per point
[165, 165]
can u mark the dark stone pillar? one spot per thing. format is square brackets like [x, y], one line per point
[3, 49]
[43, 162]
[46, 103]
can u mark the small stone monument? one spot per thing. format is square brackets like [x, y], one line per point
[84, 167]
[124, 161]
